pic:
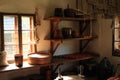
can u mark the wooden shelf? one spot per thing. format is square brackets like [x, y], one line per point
[68, 19]
[62, 59]
[80, 38]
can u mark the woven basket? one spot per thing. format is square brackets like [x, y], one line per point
[39, 58]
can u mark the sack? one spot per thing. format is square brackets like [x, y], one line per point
[105, 69]
[3, 60]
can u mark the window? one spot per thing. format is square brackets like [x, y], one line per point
[18, 34]
[116, 37]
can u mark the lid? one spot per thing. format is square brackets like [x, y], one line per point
[35, 55]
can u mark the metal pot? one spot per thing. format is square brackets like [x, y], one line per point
[69, 12]
[67, 32]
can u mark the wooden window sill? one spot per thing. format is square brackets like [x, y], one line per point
[13, 67]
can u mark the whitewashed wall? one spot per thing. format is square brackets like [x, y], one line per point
[103, 44]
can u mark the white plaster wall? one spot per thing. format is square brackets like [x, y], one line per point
[103, 44]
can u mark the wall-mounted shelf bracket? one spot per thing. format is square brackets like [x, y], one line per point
[54, 45]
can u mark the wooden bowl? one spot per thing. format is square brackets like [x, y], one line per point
[39, 58]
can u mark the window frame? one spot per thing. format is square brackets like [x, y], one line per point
[2, 47]
[114, 28]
